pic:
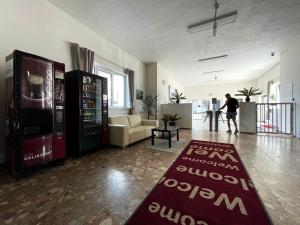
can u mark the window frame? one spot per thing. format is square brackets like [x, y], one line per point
[99, 67]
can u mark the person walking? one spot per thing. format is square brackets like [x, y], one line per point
[232, 104]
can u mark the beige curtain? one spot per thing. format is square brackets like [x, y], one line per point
[82, 58]
[130, 74]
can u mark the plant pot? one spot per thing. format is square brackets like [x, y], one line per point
[166, 125]
[172, 123]
[177, 101]
[247, 99]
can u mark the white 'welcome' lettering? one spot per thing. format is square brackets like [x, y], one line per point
[212, 175]
[169, 214]
[231, 205]
[224, 157]
[212, 154]
[175, 217]
[214, 164]
[205, 193]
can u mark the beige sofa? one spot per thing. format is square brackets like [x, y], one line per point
[125, 130]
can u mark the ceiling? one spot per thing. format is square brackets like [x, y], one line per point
[156, 31]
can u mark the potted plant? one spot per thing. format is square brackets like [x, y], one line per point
[166, 118]
[150, 105]
[173, 119]
[248, 92]
[176, 97]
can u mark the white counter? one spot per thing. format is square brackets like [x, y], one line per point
[183, 110]
[248, 117]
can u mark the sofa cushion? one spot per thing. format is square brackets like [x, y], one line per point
[150, 123]
[148, 130]
[134, 120]
[136, 134]
[119, 120]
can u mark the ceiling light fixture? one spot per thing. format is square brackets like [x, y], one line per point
[216, 71]
[211, 58]
[215, 22]
[215, 19]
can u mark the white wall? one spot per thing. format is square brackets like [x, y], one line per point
[290, 73]
[151, 78]
[163, 88]
[38, 27]
[272, 74]
[158, 80]
[218, 90]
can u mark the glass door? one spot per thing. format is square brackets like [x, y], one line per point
[99, 101]
[91, 101]
[35, 98]
[36, 83]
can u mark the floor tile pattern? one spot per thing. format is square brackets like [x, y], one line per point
[105, 187]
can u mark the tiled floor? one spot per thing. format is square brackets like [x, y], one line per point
[103, 188]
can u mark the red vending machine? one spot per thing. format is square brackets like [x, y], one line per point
[34, 110]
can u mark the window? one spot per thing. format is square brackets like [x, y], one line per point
[117, 87]
[108, 76]
[274, 92]
[118, 90]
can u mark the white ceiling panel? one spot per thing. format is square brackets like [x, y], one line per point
[156, 30]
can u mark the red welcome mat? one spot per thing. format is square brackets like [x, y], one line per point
[206, 185]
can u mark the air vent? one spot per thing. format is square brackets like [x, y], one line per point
[211, 58]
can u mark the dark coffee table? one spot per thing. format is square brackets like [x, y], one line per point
[169, 130]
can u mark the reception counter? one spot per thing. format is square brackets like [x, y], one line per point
[183, 110]
[248, 117]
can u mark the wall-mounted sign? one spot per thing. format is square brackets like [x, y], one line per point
[139, 95]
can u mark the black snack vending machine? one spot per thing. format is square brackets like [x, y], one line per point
[34, 105]
[86, 112]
